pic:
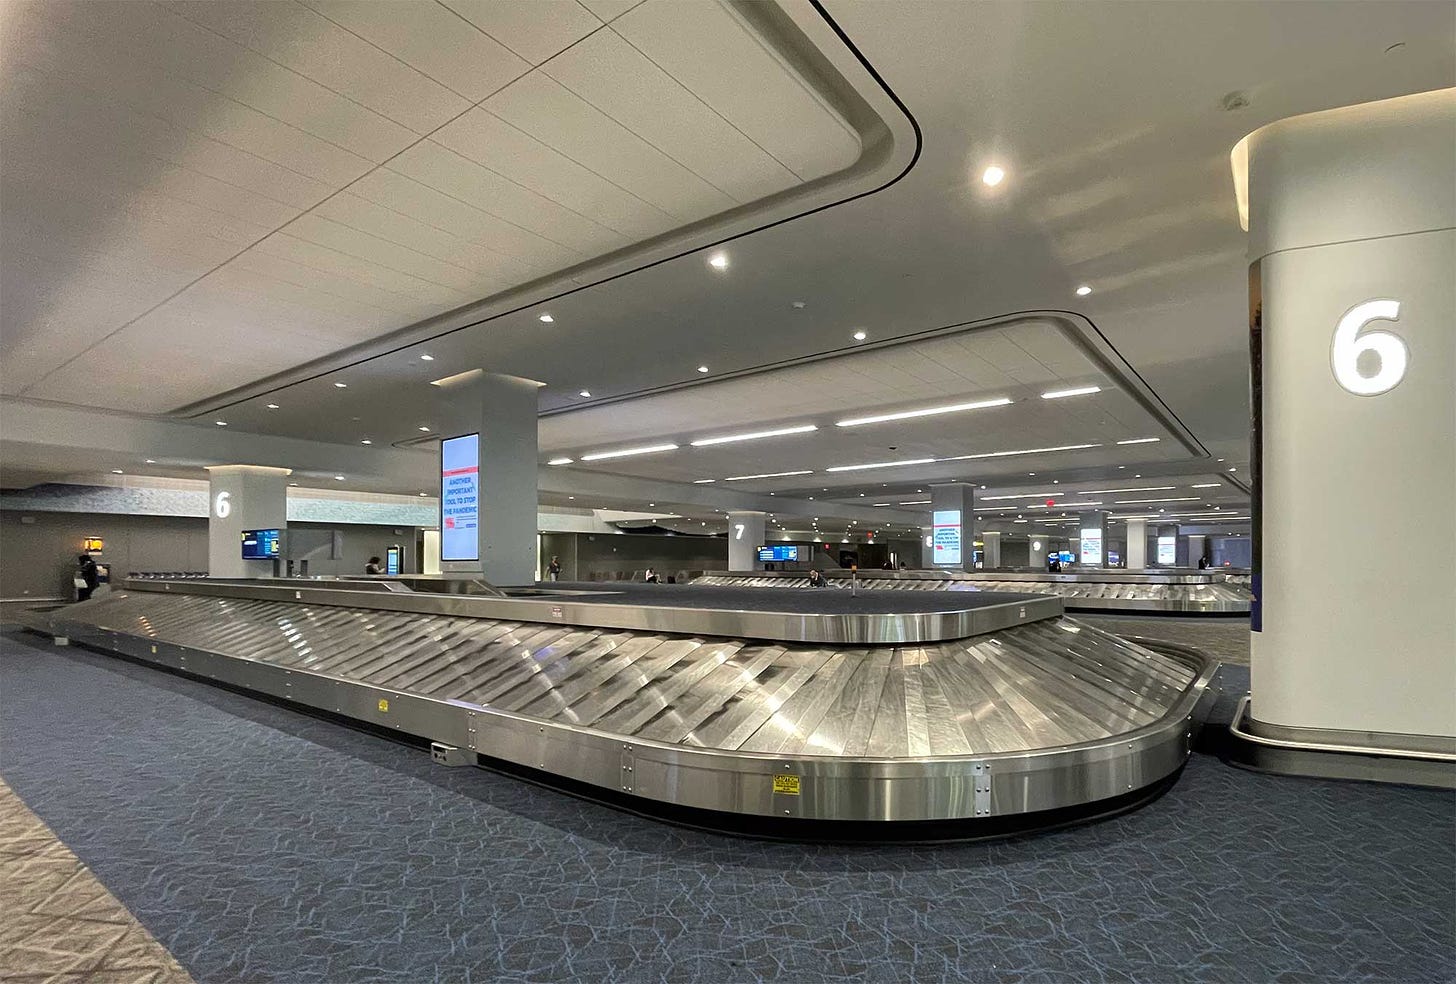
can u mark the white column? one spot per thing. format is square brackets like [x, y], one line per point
[952, 517]
[502, 410]
[745, 536]
[1137, 544]
[990, 549]
[1352, 220]
[243, 497]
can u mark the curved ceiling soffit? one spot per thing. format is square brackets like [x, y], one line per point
[820, 50]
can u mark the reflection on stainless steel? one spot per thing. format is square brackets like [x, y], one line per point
[1046, 714]
[951, 621]
[1207, 593]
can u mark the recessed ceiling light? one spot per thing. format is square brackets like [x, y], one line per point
[704, 481]
[702, 368]
[992, 176]
[718, 261]
[426, 357]
[342, 385]
[1234, 468]
[1083, 291]
[861, 335]
[338, 478]
[559, 461]
[424, 493]
[1079, 391]
[272, 406]
[294, 485]
[753, 436]
[117, 471]
[546, 319]
[366, 441]
[626, 452]
[221, 423]
[424, 429]
[151, 461]
[926, 412]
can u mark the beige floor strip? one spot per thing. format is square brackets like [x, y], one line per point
[58, 923]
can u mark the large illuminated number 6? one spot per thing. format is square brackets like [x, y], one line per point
[1349, 344]
[223, 505]
[739, 527]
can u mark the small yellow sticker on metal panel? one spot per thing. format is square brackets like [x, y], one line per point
[384, 705]
[786, 785]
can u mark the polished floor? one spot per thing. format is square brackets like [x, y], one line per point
[258, 844]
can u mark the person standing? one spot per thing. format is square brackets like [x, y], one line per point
[374, 566]
[553, 569]
[88, 576]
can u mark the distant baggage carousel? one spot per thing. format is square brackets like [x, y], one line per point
[1209, 592]
[871, 715]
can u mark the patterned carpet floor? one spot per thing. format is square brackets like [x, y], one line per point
[259, 844]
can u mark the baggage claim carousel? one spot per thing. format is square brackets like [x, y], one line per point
[1134, 592]
[874, 715]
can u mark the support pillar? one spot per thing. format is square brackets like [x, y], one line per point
[1092, 539]
[1137, 544]
[745, 536]
[502, 410]
[952, 512]
[243, 497]
[1352, 229]
[990, 549]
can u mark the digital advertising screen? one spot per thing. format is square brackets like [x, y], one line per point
[1091, 547]
[947, 536]
[460, 498]
[778, 553]
[261, 544]
[391, 564]
[1167, 550]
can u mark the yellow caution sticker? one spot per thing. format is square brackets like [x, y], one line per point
[786, 785]
[384, 705]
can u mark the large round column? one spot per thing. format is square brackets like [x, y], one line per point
[1352, 220]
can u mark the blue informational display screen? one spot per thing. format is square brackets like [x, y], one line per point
[260, 544]
[777, 553]
[460, 498]
[391, 564]
[1066, 557]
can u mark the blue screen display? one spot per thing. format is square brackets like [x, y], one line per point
[260, 544]
[781, 552]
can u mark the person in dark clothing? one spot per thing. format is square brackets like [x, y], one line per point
[553, 569]
[1203, 564]
[374, 566]
[89, 575]
[816, 580]
[1055, 565]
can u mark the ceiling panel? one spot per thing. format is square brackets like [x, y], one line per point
[429, 37]
[608, 10]
[533, 29]
[624, 84]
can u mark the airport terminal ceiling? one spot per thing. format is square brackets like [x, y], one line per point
[342, 267]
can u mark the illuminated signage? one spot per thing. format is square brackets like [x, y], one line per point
[391, 565]
[946, 536]
[460, 498]
[222, 506]
[1349, 345]
[1167, 550]
[1091, 546]
[261, 544]
[778, 553]
[93, 544]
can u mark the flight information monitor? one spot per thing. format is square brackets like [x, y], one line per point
[460, 498]
[778, 553]
[261, 544]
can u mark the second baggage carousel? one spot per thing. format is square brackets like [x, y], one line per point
[991, 711]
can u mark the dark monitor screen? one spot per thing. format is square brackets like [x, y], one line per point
[778, 553]
[261, 544]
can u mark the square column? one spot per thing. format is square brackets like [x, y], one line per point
[952, 520]
[745, 536]
[990, 549]
[1092, 539]
[502, 411]
[1137, 544]
[243, 497]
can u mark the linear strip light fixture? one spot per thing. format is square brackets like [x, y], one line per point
[882, 464]
[704, 481]
[627, 452]
[756, 435]
[1145, 488]
[1142, 440]
[926, 412]
[1063, 505]
[1132, 502]
[1079, 391]
[916, 502]
[744, 478]
[1207, 485]
[559, 461]
[1008, 454]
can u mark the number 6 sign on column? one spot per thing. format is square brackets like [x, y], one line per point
[1349, 344]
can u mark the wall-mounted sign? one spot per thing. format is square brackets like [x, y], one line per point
[391, 563]
[946, 534]
[93, 544]
[1383, 348]
[222, 505]
[460, 498]
[782, 552]
[1091, 547]
[261, 544]
[1167, 550]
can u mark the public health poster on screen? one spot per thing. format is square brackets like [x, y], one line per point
[1167, 550]
[460, 498]
[1092, 546]
[947, 536]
